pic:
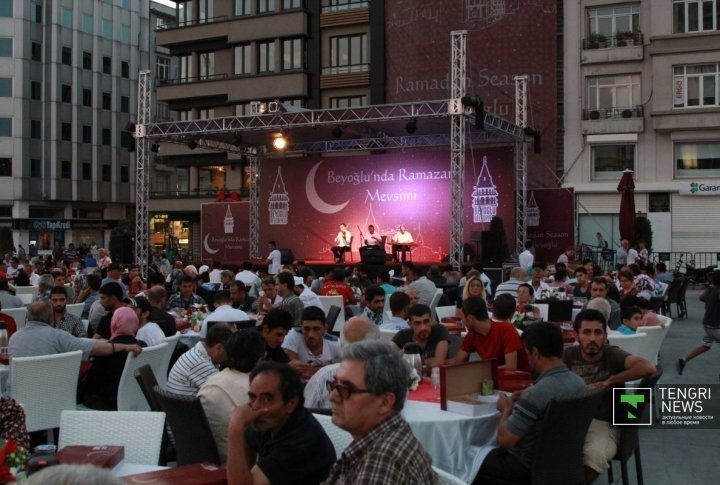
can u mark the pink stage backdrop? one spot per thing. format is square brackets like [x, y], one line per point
[303, 200]
[225, 231]
[550, 222]
[504, 38]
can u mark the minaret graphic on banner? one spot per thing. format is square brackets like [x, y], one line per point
[484, 196]
[229, 221]
[279, 202]
[532, 214]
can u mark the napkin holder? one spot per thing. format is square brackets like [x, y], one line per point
[102, 456]
[461, 384]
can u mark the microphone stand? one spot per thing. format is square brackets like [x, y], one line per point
[362, 238]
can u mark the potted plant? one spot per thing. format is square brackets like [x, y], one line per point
[625, 38]
[593, 41]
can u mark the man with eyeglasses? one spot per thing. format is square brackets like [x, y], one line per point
[274, 439]
[367, 396]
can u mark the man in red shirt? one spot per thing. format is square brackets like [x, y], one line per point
[336, 286]
[490, 339]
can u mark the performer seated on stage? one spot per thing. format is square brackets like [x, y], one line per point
[343, 242]
[373, 239]
[402, 240]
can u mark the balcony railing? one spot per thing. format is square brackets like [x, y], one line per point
[185, 80]
[346, 69]
[196, 193]
[190, 23]
[612, 113]
[345, 6]
[621, 39]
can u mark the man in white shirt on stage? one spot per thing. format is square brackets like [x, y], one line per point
[401, 242]
[273, 259]
[343, 243]
[373, 239]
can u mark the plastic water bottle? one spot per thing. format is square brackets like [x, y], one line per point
[435, 377]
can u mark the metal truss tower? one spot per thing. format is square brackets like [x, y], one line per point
[254, 167]
[457, 145]
[521, 86]
[142, 172]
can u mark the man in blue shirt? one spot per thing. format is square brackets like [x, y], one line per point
[520, 422]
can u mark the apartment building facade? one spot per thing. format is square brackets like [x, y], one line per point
[230, 55]
[68, 86]
[641, 87]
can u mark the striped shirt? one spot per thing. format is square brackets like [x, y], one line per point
[191, 371]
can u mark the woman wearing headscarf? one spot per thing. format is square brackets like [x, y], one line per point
[98, 390]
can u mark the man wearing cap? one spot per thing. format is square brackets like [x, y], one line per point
[114, 274]
[291, 302]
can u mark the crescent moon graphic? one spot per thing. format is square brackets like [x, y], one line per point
[208, 249]
[315, 201]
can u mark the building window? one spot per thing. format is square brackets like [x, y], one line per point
[185, 13]
[610, 161]
[5, 87]
[106, 101]
[36, 13]
[610, 96]
[124, 173]
[184, 115]
[162, 68]
[87, 23]
[265, 6]
[348, 54]
[207, 65]
[67, 56]
[292, 54]
[291, 4]
[659, 202]
[697, 159]
[5, 126]
[87, 171]
[206, 113]
[266, 56]
[66, 93]
[243, 54]
[66, 131]
[125, 34]
[35, 91]
[87, 134]
[695, 15]
[125, 139]
[36, 51]
[243, 7]
[124, 104]
[211, 179]
[5, 167]
[613, 22]
[106, 137]
[66, 17]
[242, 109]
[35, 168]
[65, 169]
[6, 8]
[35, 129]
[107, 29]
[348, 101]
[87, 60]
[336, 5]
[106, 173]
[6, 47]
[107, 65]
[87, 98]
[186, 68]
[125, 69]
[696, 86]
[206, 11]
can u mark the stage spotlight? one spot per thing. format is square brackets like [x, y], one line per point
[192, 145]
[279, 143]
[337, 132]
[237, 141]
[411, 126]
[130, 126]
[154, 148]
[529, 131]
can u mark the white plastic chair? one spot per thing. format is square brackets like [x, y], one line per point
[327, 302]
[161, 374]
[19, 314]
[387, 335]
[445, 312]
[130, 396]
[339, 437]
[140, 432]
[632, 344]
[652, 342]
[435, 300]
[26, 298]
[445, 478]
[544, 310]
[26, 290]
[75, 309]
[45, 386]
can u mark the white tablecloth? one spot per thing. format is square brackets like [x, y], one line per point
[457, 443]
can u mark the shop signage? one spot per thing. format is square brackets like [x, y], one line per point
[66, 224]
[702, 187]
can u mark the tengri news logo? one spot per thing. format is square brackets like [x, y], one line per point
[628, 405]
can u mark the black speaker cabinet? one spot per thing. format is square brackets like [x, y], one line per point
[286, 256]
[372, 255]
